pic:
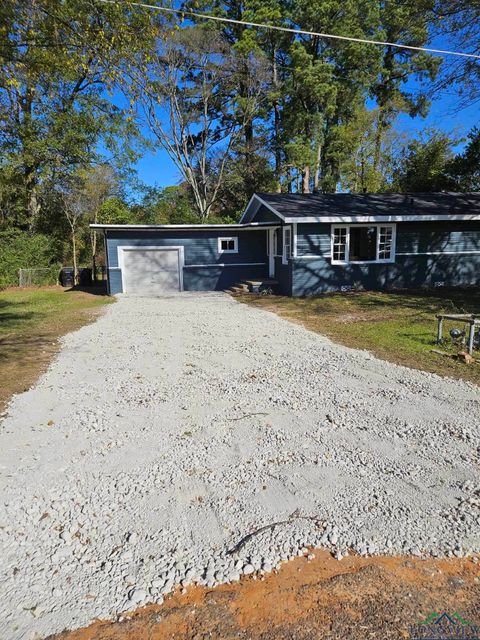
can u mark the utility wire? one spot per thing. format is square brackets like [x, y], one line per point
[272, 27]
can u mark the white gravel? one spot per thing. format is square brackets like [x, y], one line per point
[171, 429]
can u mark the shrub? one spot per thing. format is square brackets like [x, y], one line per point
[22, 250]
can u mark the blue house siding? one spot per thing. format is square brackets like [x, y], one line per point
[203, 269]
[315, 276]
[283, 274]
[451, 257]
[313, 239]
[424, 237]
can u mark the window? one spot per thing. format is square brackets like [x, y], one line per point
[228, 245]
[287, 244]
[385, 243]
[339, 244]
[363, 243]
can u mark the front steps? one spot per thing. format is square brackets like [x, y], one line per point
[265, 285]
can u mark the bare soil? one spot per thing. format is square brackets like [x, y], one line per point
[355, 599]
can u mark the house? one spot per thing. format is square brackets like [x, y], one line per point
[308, 244]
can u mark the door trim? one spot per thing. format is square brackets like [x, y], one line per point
[271, 253]
[180, 252]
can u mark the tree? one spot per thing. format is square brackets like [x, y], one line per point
[429, 164]
[168, 205]
[114, 210]
[96, 185]
[189, 93]
[241, 180]
[407, 22]
[70, 194]
[458, 21]
[58, 59]
[464, 168]
[360, 170]
[422, 166]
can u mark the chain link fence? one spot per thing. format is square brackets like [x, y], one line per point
[38, 277]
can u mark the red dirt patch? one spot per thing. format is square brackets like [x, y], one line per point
[356, 598]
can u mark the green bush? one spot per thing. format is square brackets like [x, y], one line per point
[22, 250]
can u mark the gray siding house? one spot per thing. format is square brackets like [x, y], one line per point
[308, 244]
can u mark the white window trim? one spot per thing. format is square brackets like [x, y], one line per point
[285, 258]
[390, 260]
[235, 241]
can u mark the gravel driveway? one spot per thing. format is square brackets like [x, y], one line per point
[171, 429]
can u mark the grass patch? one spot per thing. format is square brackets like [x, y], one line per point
[31, 321]
[397, 326]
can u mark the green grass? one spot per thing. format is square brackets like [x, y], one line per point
[31, 321]
[399, 327]
[23, 309]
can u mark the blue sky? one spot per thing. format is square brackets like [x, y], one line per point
[156, 168]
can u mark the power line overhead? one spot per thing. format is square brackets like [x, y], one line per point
[258, 25]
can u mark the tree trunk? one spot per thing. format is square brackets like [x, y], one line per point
[378, 142]
[74, 251]
[276, 121]
[33, 206]
[306, 179]
[316, 177]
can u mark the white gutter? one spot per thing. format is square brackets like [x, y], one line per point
[239, 227]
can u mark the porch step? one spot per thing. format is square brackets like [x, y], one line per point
[252, 286]
[257, 283]
[239, 288]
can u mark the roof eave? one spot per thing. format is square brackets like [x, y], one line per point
[180, 227]
[345, 219]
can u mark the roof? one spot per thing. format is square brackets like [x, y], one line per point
[349, 207]
[181, 227]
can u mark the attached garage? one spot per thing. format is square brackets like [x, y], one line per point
[151, 271]
[155, 260]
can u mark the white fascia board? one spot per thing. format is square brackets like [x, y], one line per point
[409, 218]
[195, 227]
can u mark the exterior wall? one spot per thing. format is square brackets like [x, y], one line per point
[283, 274]
[205, 268]
[427, 255]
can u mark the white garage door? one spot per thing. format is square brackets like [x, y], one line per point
[151, 272]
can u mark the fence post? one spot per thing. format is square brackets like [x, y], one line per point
[471, 336]
[440, 329]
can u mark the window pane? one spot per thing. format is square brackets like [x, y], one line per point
[228, 244]
[363, 244]
[385, 243]
[339, 245]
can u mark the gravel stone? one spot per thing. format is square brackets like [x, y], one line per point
[221, 441]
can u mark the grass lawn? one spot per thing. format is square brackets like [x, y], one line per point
[396, 326]
[31, 321]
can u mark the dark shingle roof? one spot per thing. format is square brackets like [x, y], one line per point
[293, 205]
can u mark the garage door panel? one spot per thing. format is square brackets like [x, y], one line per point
[151, 272]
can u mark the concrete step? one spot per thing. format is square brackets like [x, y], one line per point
[257, 283]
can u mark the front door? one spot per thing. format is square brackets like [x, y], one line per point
[271, 253]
